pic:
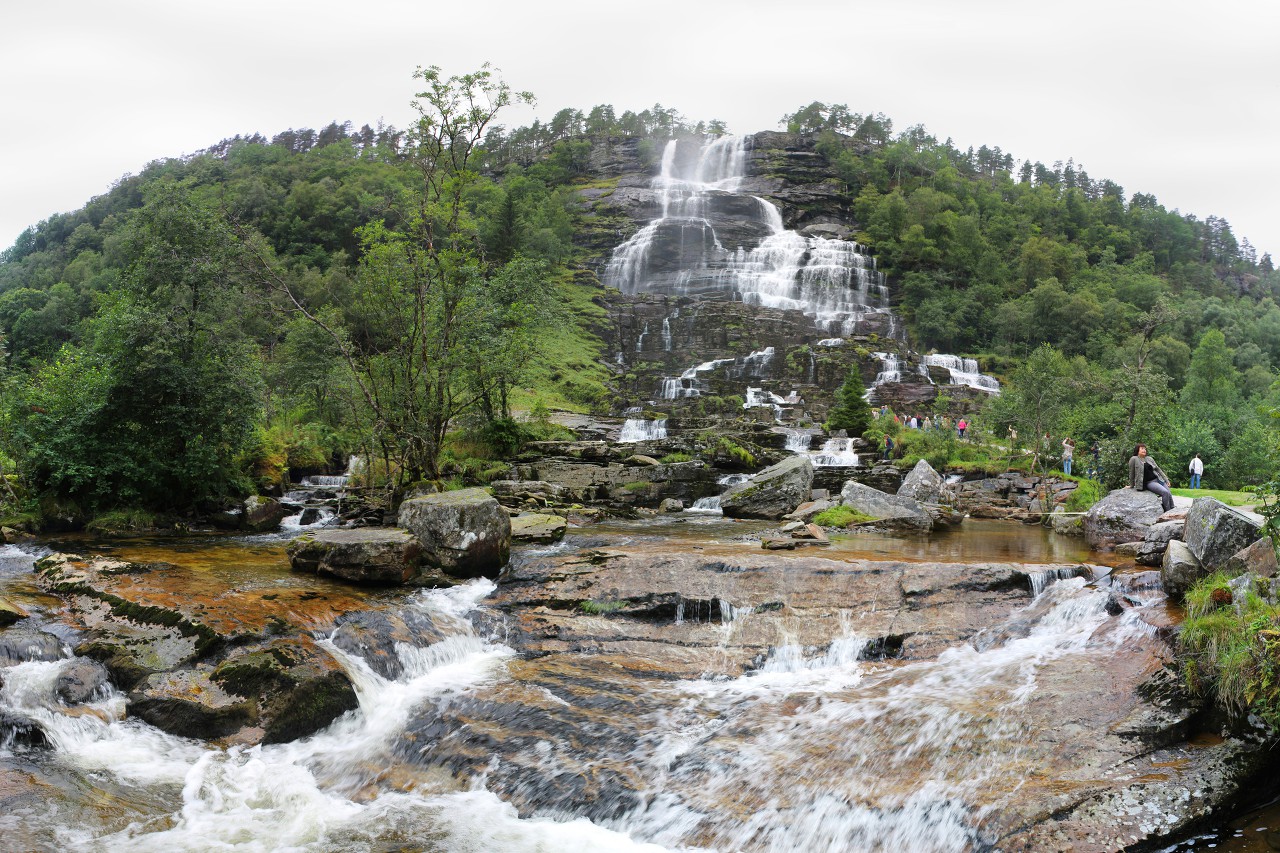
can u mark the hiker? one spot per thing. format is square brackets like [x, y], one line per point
[1068, 453]
[1196, 468]
[1146, 475]
[961, 426]
[888, 448]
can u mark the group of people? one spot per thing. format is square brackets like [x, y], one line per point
[928, 422]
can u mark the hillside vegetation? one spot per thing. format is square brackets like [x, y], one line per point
[272, 304]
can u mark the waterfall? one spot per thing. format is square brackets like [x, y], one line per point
[892, 369]
[666, 334]
[835, 452]
[831, 281]
[964, 371]
[637, 429]
[640, 340]
[712, 504]
[798, 440]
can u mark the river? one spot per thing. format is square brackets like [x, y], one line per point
[758, 714]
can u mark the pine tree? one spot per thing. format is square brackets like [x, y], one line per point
[851, 411]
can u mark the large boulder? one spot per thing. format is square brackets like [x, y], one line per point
[262, 514]
[1215, 532]
[1180, 569]
[896, 510]
[22, 645]
[1258, 559]
[363, 555]
[466, 533]
[1122, 516]
[80, 680]
[771, 494]
[923, 484]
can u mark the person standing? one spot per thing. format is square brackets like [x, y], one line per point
[1096, 452]
[961, 426]
[888, 448]
[1146, 475]
[1196, 468]
[1068, 454]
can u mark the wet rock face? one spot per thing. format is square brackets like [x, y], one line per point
[538, 527]
[1122, 516]
[363, 555]
[466, 533]
[196, 658]
[21, 645]
[1215, 532]
[771, 494]
[1180, 569]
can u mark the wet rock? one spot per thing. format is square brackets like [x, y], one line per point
[639, 459]
[806, 511]
[376, 635]
[80, 681]
[190, 704]
[537, 527]
[1216, 532]
[895, 510]
[363, 555]
[465, 532]
[1150, 551]
[772, 493]
[923, 484]
[671, 505]
[1180, 569]
[10, 612]
[309, 515]
[23, 645]
[1122, 516]
[1258, 559]
[261, 514]
[19, 730]
[1065, 524]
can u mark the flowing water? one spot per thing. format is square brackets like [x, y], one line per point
[813, 748]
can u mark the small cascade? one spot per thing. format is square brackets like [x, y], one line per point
[813, 368]
[798, 440]
[712, 504]
[831, 342]
[666, 334]
[326, 481]
[835, 453]
[640, 340]
[1040, 581]
[892, 371]
[753, 366]
[638, 429]
[964, 371]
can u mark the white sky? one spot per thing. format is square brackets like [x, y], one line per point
[1168, 97]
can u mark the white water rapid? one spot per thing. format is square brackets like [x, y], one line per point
[638, 429]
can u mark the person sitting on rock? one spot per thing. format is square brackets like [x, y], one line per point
[1146, 475]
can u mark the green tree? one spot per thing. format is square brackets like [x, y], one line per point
[851, 411]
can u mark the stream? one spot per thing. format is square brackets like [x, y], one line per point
[763, 712]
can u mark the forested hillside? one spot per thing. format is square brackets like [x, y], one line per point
[272, 304]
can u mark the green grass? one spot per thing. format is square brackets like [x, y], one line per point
[566, 373]
[601, 608]
[673, 458]
[1086, 493]
[1232, 656]
[1227, 497]
[840, 516]
[121, 521]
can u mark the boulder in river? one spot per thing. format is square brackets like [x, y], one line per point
[923, 484]
[24, 644]
[10, 612]
[80, 680]
[466, 532]
[1122, 516]
[772, 493]
[376, 556]
[538, 527]
[1216, 532]
[895, 510]
[262, 514]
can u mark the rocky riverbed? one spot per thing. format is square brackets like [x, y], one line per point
[987, 687]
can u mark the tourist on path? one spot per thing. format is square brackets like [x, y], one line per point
[961, 426]
[1196, 468]
[1068, 454]
[1146, 475]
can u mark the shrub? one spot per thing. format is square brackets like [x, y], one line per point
[1086, 494]
[673, 458]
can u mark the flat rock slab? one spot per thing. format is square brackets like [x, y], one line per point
[377, 556]
[538, 527]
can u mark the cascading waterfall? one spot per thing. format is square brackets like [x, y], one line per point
[638, 429]
[831, 281]
[835, 452]
[964, 371]
[726, 481]
[892, 369]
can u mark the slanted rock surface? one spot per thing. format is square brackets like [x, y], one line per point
[10, 612]
[772, 493]
[1258, 559]
[466, 532]
[895, 510]
[537, 527]
[365, 555]
[1216, 532]
[1122, 516]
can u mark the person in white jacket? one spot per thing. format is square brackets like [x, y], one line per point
[1196, 468]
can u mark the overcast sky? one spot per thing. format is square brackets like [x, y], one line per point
[1173, 98]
